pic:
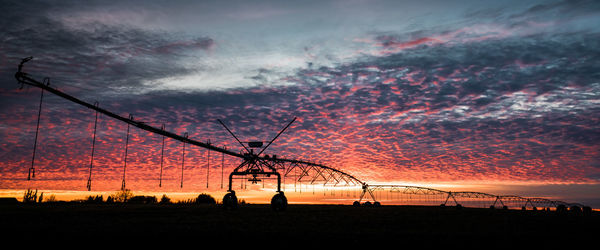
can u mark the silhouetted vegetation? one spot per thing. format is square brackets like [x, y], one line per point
[200, 199]
[98, 199]
[121, 196]
[142, 200]
[30, 196]
[186, 202]
[205, 199]
[165, 200]
[51, 198]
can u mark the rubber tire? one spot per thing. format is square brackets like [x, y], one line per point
[230, 201]
[279, 202]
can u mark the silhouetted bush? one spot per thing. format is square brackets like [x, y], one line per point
[186, 202]
[51, 198]
[205, 199]
[122, 196]
[98, 199]
[165, 200]
[142, 200]
[30, 196]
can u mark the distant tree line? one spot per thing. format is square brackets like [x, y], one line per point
[124, 196]
[120, 197]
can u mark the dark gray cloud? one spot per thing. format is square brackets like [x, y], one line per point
[95, 56]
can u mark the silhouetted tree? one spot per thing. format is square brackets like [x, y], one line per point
[122, 196]
[30, 196]
[165, 200]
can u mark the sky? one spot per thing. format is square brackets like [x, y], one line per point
[501, 96]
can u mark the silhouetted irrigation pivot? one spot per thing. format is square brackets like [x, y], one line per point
[252, 164]
[430, 196]
[256, 165]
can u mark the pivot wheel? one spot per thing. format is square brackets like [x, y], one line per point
[230, 200]
[279, 202]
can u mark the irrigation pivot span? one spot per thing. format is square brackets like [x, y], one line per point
[258, 166]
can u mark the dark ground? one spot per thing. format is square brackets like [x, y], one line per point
[299, 224]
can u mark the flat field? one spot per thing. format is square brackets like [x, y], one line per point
[299, 224]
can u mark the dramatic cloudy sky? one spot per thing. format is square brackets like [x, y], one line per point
[504, 92]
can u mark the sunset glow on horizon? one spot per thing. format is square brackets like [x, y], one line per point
[502, 98]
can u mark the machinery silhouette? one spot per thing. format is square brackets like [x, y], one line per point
[259, 166]
[254, 166]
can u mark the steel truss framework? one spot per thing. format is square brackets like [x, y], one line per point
[449, 197]
[302, 171]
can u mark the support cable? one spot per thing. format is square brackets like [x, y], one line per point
[89, 181]
[125, 160]
[222, 166]
[162, 153]
[183, 159]
[207, 164]
[31, 172]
